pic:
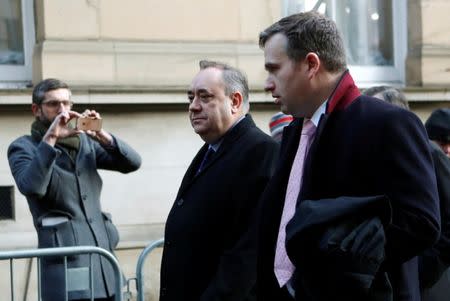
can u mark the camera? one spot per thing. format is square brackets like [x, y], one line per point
[89, 123]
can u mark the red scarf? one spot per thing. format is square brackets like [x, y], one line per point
[344, 93]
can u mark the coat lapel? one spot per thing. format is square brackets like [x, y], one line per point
[192, 170]
[343, 95]
[229, 138]
[289, 145]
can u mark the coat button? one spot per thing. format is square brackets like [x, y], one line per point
[163, 291]
[84, 197]
[180, 202]
[90, 220]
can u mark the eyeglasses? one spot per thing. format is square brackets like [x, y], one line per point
[57, 103]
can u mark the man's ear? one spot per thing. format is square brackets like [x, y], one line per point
[313, 62]
[236, 101]
[36, 109]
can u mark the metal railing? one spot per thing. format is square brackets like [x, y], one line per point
[64, 252]
[140, 267]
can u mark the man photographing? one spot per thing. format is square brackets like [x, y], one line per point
[56, 169]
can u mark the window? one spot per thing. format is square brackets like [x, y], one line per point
[374, 34]
[16, 42]
[6, 202]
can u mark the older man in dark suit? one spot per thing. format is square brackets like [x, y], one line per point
[209, 251]
[341, 146]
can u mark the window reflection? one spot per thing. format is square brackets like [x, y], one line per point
[366, 27]
[11, 33]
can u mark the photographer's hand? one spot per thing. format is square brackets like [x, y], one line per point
[102, 136]
[59, 128]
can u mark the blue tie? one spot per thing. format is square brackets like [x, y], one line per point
[206, 159]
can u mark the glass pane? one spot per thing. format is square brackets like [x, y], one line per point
[11, 33]
[366, 27]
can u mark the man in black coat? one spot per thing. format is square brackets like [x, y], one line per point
[361, 147]
[209, 251]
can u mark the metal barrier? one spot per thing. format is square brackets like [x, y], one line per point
[64, 252]
[140, 267]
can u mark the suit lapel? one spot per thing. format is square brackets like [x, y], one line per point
[316, 142]
[289, 145]
[312, 156]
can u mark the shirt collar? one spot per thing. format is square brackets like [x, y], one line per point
[318, 113]
[215, 146]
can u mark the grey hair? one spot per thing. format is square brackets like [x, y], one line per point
[233, 78]
[390, 95]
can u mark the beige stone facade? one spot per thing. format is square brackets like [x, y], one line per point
[148, 43]
[132, 61]
[428, 44]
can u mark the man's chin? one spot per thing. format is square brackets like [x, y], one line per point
[286, 110]
[204, 135]
[198, 130]
[297, 112]
[46, 122]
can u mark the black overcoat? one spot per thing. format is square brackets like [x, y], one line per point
[363, 147]
[209, 251]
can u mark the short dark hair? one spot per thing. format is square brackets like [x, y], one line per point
[390, 95]
[310, 32]
[46, 85]
[233, 78]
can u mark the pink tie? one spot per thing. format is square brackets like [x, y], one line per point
[283, 266]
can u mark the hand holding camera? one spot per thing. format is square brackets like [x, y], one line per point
[91, 123]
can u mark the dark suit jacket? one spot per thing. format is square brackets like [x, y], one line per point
[209, 252]
[436, 260]
[362, 147]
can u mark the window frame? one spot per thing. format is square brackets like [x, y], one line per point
[366, 76]
[15, 76]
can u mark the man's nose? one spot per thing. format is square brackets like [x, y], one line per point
[269, 85]
[195, 105]
[62, 107]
